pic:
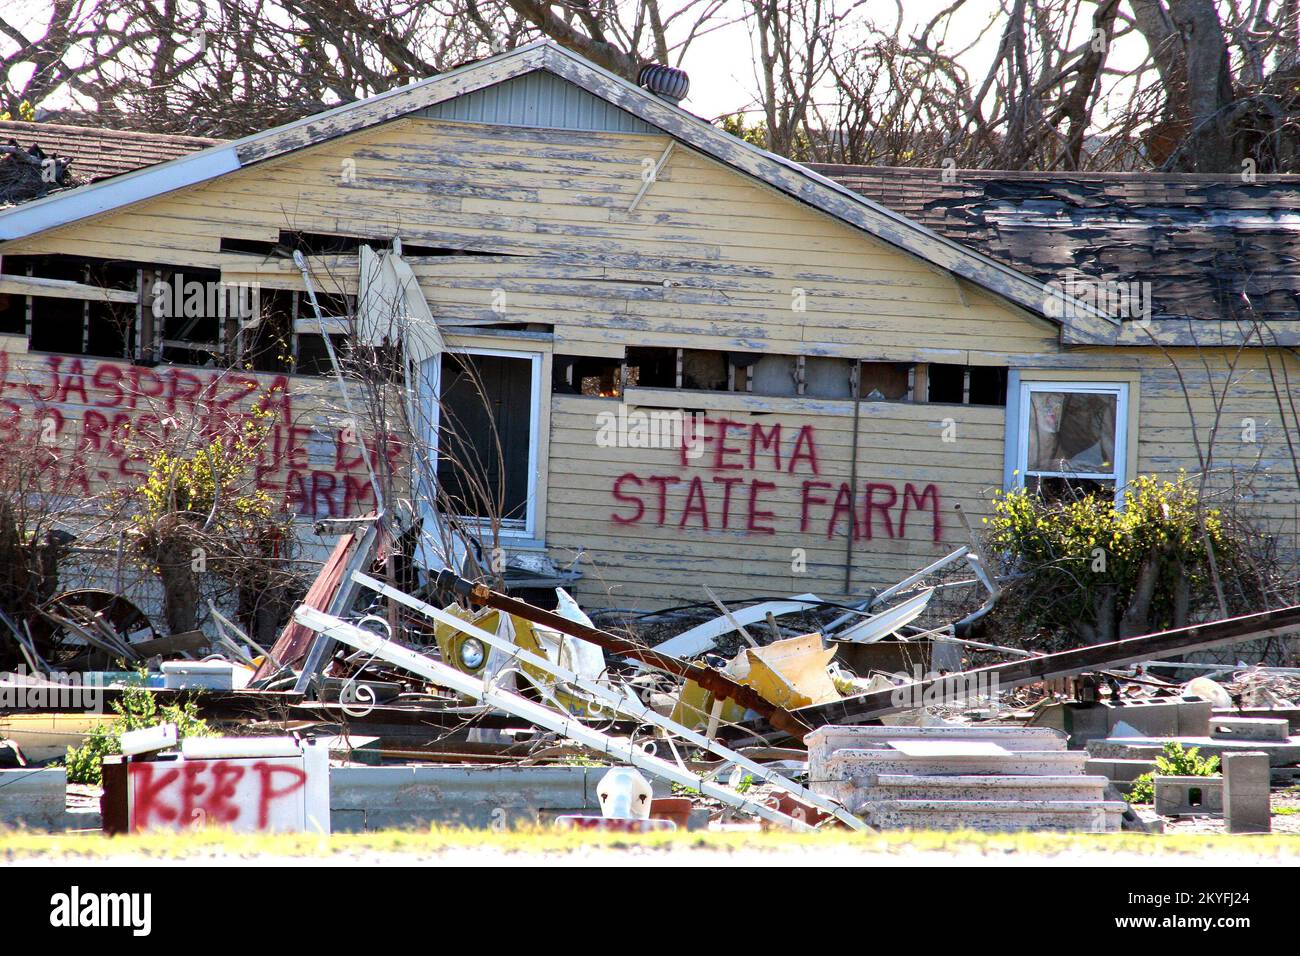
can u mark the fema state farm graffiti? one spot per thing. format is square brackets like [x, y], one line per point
[92, 405]
[735, 472]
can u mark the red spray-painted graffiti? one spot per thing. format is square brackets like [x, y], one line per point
[241, 794]
[769, 461]
[83, 410]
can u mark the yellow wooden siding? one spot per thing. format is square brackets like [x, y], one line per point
[709, 259]
[647, 561]
[733, 252]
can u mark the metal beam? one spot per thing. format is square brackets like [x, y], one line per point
[1182, 640]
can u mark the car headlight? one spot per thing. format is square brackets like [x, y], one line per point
[471, 653]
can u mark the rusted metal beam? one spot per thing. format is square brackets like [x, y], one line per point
[1183, 640]
[717, 683]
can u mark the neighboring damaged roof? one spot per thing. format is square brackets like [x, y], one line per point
[1088, 323]
[83, 154]
[1200, 241]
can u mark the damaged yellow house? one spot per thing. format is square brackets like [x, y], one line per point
[706, 364]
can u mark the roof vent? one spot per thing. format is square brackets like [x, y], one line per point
[665, 82]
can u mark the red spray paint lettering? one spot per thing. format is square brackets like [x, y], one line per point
[749, 468]
[81, 412]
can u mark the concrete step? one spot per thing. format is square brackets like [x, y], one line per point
[851, 764]
[1092, 816]
[906, 786]
[826, 740]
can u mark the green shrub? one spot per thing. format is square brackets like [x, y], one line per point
[136, 710]
[1174, 762]
[1089, 568]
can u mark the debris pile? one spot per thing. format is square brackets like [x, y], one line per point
[874, 718]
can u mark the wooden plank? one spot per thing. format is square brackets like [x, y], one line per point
[63, 289]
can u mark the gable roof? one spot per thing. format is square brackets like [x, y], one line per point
[1201, 241]
[782, 174]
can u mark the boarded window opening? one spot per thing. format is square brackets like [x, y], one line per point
[774, 375]
[828, 377]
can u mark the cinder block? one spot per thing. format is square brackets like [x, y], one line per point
[1246, 792]
[1170, 717]
[1250, 728]
[1189, 796]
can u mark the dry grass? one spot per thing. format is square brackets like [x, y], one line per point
[532, 841]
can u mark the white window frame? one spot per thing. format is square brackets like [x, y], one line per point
[1118, 389]
[512, 528]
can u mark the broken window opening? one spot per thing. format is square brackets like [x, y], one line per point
[988, 385]
[487, 436]
[1073, 438]
[704, 370]
[966, 384]
[67, 323]
[310, 356]
[884, 381]
[593, 377]
[189, 307]
[650, 367]
[266, 341]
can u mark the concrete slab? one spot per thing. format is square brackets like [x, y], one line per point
[824, 741]
[889, 786]
[851, 764]
[949, 748]
[1094, 816]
